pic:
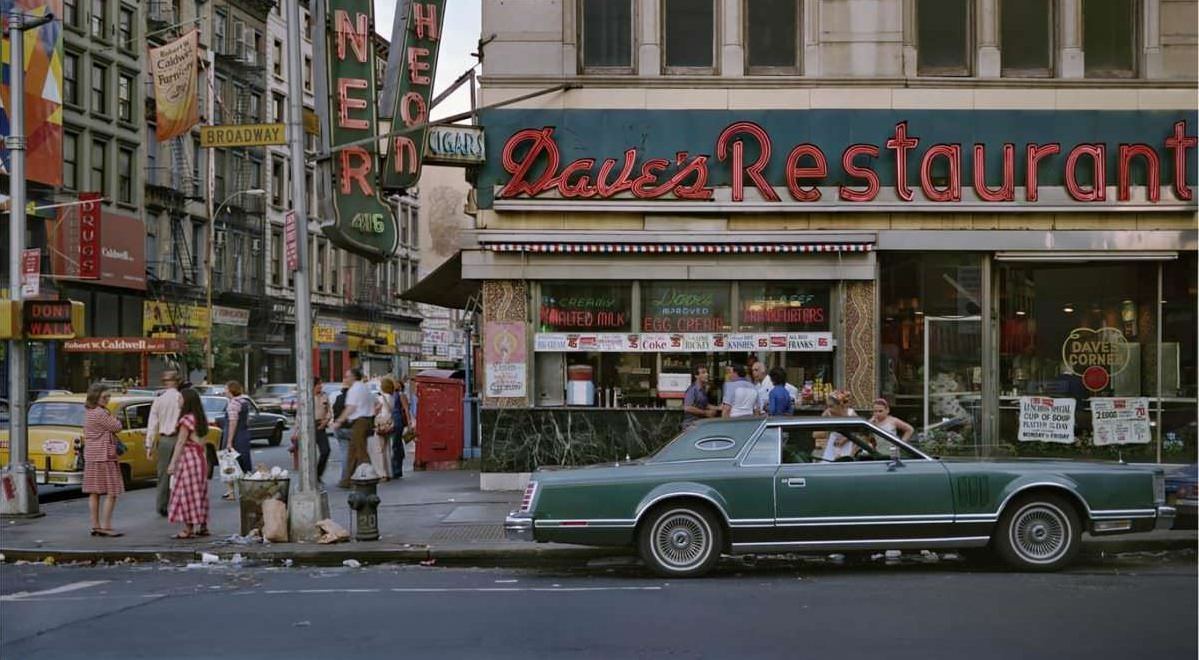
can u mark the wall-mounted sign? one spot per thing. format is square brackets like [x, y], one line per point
[585, 308]
[291, 242]
[504, 359]
[90, 244]
[1095, 355]
[124, 345]
[1120, 421]
[31, 272]
[230, 316]
[167, 320]
[690, 307]
[455, 145]
[421, 44]
[686, 342]
[362, 222]
[1046, 420]
[782, 306]
[52, 319]
[242, 135]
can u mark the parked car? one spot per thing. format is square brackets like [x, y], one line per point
[278, 397]
[263, 425]
[1182, 493]
[759, 485]
[37, 395]
[56, 439]
[210, 390]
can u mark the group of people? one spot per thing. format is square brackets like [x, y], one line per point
[370, 428]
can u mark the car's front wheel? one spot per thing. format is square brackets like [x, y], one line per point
[1038, 533]
[276, 436]
[681, 541]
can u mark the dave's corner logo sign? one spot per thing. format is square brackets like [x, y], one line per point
[363, 223]
[1095, 355]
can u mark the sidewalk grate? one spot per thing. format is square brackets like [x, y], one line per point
[470, 533]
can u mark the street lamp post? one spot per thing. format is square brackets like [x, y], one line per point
[210, 358]
[19, 478]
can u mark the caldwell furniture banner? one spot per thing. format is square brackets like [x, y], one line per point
[175, 85]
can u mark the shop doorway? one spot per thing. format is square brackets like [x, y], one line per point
[953, 379]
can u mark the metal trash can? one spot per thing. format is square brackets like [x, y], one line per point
[252, 493]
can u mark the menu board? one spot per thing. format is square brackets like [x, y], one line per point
[585, 307]
[1043, 419]
[1120, 421]
[782, 306]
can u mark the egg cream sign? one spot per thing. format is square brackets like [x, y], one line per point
[1095, 355]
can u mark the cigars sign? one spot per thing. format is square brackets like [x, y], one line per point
[747, 164]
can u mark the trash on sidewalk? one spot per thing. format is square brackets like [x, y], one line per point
[364, 472]
[255, 536]
[263, 474]
[274, 520]
[253, 490]
[229, 467]
[331, 532]
[236, 559]
[352, 563]
[429, 562]
[49, 561]
[209, 558]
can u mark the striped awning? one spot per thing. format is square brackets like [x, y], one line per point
[676, 248]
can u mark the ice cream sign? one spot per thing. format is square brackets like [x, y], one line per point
[1095, 355]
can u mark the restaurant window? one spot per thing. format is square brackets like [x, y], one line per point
[930, 362]
[802, 311]
[100, 89]
[943, 37]
[1179, 358]
[1026, 38]
[585, 307]
[70, 79]
[99, 166]
[607, 34]
[689, 33]
[1109, 30]
[685, 307]
[125, 161]
[70, 161]
[125, 98]
[772, 32]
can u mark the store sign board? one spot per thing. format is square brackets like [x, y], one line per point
[504, 359]
[90, 243]
[1120, 421]
[693, 342]
[1095, 355]
[455, 145]
[242, 135]
[165, 320]
[124, 345]
[291, 242]
[230, 316]
[31, 272]
[1043, 419]
[422, 42]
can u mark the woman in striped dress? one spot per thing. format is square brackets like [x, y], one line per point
[188, 467]
[101, 471]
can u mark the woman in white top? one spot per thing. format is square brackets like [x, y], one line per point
[838, 445]
[883, 419]
[378, 446]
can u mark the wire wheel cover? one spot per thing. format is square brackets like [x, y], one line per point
[681, 539]
[1040, 533]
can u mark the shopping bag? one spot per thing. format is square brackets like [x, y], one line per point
[229, 468]
[274, 521]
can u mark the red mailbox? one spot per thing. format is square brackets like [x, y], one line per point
[438, 419]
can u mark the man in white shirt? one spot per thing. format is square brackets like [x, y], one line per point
[359, 413]
[739, 397]
[762, 383]
[161, 432]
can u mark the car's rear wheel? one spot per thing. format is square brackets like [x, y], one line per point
[276, 436]
[681, 541]
[1039, 532]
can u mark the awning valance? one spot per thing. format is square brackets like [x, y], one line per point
[676, 248]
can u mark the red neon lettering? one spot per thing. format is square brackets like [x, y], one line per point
[953, 193]
[404, 155]
[422, 109]
[582, 187]
[795, 173]
[424, 18]
[360, 172]
[739, 170]
[622, 182]
[872, 184]
[416, 65]
[540, 141]
[1098, 191]
[357, 34]
[699, 188]
[345, 103]
[649, 173]
[1152, 171]
[901, 143]
[1005, 192]
[1034, 153]
[1179, 143]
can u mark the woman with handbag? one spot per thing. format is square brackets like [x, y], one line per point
[400, 422]
[378, 447]
[101, 469]
[189, 469]
[237, 432]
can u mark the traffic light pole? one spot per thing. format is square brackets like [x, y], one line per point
[18, 484]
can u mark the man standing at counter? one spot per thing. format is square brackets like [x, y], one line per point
[695, 400]
[739, 398]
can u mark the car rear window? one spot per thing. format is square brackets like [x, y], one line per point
[56, 414]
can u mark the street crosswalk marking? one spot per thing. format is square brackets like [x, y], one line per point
[74, 586]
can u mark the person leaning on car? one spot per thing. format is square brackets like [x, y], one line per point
[161, 431]
[360, 413]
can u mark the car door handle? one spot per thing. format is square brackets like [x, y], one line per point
[795, 482]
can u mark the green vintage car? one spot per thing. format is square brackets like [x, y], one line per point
[759, 485]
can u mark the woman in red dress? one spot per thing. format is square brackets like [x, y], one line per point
[101, 471]
[189, 468]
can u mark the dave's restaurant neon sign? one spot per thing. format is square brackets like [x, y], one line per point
[533, 159]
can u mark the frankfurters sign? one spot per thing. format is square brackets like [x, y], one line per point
[362, 222]
[421, 44]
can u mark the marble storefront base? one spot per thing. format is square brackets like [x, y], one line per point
[516, 440]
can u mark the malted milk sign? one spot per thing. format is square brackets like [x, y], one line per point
[1120, 421]
[1043, 419]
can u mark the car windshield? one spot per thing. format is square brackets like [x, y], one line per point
[214, 404]
[56, 414]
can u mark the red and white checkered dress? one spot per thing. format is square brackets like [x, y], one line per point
[189, 493]
[101, 471]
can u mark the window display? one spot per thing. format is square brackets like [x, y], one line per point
[783, 306]
[582, 307]
[685, 307]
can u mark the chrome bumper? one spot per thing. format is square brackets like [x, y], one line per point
[1165, 517]
[518, 527]
[60, 477]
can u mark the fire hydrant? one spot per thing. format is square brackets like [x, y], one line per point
[365, 502]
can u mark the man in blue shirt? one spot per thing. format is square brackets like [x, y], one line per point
[778, 401]
[695, 401]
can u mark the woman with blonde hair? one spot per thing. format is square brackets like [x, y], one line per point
[378, 447]
[101, 469]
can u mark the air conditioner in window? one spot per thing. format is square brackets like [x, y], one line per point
[256, 246]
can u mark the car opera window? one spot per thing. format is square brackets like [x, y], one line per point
[1109, 29]
[1026, 38]
[772, 32]
[607, 35]
[944, 37]
[689, 33]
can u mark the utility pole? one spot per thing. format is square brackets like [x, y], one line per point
[307, 504]
[19, 477]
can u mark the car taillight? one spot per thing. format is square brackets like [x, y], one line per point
[1159, 487]
[526, 502]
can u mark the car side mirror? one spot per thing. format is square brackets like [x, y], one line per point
[895, 462]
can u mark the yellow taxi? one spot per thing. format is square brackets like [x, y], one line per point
[56, 438]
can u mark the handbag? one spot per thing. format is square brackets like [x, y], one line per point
[121, 448]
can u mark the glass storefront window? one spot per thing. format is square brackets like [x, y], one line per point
[585, 307]
[1179, 359]
[783, 306]
[685, 307]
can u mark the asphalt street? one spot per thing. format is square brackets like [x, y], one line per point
[1131, 606]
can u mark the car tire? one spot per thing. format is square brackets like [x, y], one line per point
[276, 436]
[1039, 532]
[681, 540]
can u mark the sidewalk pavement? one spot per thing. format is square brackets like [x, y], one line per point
[431, 516]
